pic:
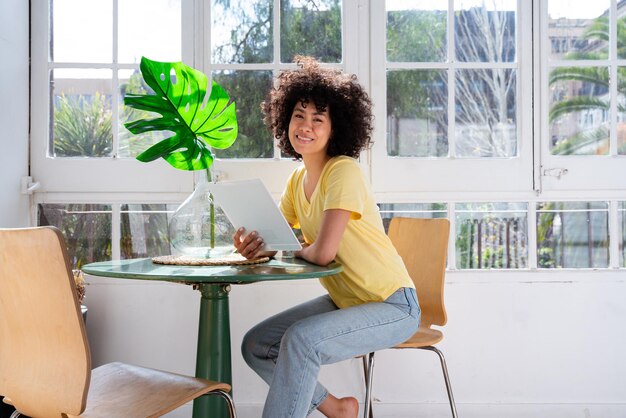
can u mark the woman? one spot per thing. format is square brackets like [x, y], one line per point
[323, 117]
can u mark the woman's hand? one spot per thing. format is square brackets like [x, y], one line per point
[251, 245]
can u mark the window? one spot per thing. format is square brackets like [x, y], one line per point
[451, 79]
[82, 68]
[506, 116]
[583, 97]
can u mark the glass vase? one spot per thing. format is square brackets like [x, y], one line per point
[199, 228]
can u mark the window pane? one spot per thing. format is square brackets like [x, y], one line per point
[416, 32]
[485, 30]
[572, 234]
[311, 27]
[241, 31]
[131, 145]
[417, 113]
[145, 230]
[579, 110]
[621, 109]
[81, 113]
[491, 235]
[486, 124]
[621, 212]
[247, 89]
[86, 228]
[156, 34]
[411, 210]
[82, 30]
[578, 29]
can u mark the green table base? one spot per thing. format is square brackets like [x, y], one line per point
[213, 360]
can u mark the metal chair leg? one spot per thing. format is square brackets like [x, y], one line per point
[229, 400]
[368, 372]
[444, 368]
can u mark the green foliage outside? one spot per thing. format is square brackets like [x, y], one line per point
[314, 29]
[153, 222]
[86, 228]
[82, 126]
[595, 81]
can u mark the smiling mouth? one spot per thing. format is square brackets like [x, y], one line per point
[303, 138]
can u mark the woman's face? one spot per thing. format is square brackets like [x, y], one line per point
[309, 130]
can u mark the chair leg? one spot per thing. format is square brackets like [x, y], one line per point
[368, 372]
[229, 400]
[444, 368]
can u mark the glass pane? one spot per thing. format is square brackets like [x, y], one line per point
[578, 29]
[144, 230]
[485, 30]
[416, 31]
[82, 31]
[621, 212]
[621, 109]
[486, 120]
[247, 89]
[579, 111]
[310, 27]
[86, 228]
[241, 31]
[417, 113]
[81, 113]
[572, 234]
[150, 28]
[621, 33]
[491, 235]
[131, 145]
[411, 210]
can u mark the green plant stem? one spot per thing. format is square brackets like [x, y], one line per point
[211, 209]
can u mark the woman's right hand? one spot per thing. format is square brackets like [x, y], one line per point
[250, 246]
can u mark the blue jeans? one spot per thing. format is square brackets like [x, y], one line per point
[288, 349]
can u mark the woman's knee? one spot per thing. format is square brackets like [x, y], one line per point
[255, 345]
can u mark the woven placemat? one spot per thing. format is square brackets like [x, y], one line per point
[231, 259]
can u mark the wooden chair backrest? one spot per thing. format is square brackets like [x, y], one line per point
[423, 246]
[45, 365]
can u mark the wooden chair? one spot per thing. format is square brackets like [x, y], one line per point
[45, 361]
[423, 246]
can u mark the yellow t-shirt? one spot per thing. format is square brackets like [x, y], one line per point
[372, 268]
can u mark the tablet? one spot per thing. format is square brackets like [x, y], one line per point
[248, 203]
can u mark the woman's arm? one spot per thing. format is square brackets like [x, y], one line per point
[320, 252]
[325, 247]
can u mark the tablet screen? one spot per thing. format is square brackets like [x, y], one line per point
[248, 204]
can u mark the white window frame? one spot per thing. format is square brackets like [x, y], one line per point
[444, 177]
[125, 179]
[71, 179]
[601, 173]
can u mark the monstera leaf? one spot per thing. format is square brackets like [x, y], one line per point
[179, 98]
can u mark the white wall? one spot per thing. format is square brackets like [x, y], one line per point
[519, 344]
[14, 79]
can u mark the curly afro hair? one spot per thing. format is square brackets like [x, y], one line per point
[349, 106]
